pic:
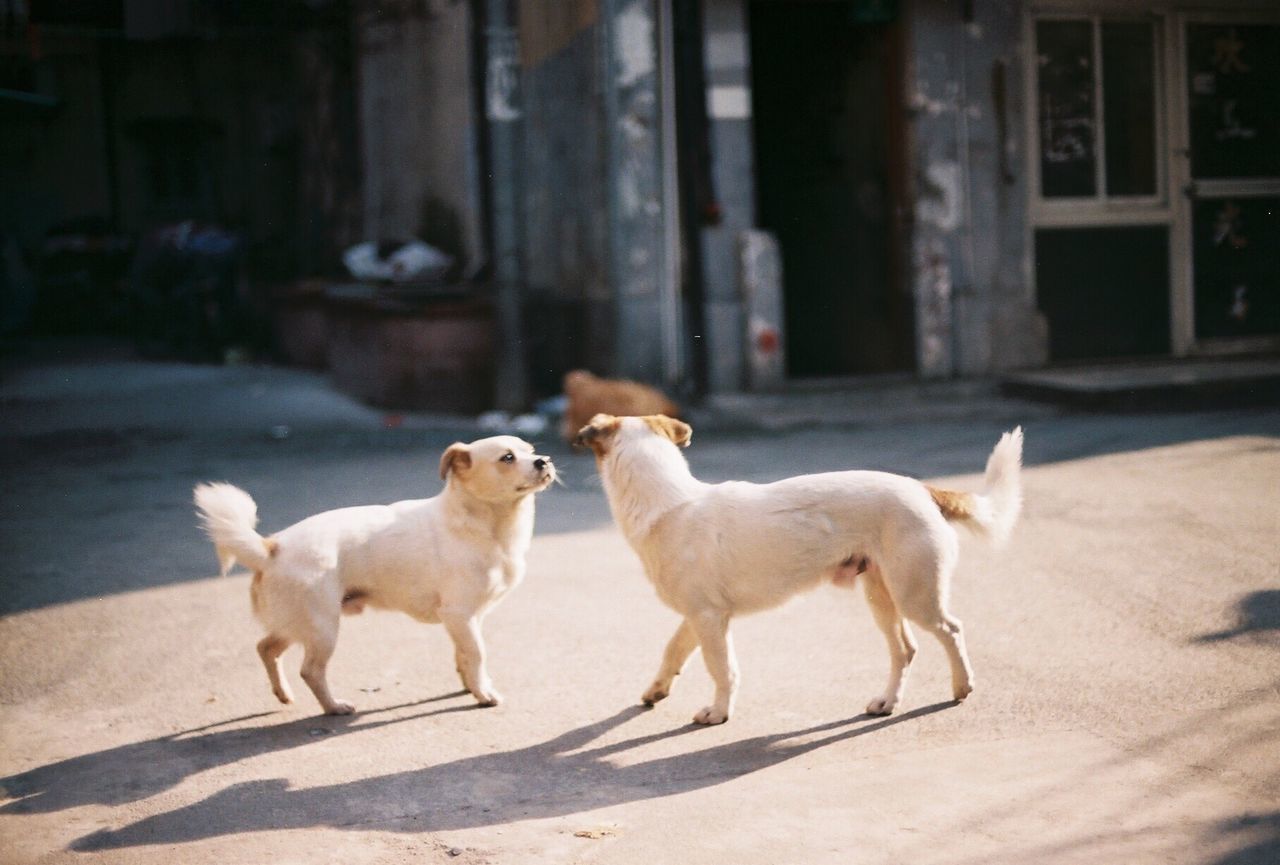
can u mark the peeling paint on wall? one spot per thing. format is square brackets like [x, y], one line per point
[922, 101]
[634, 183]
[974, 311]
[633, 44]
[760, 274]
[729, 102]
[933, 307]
[938, 203]
[502, 77]
[636, 191]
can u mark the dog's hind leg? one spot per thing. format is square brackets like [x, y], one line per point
[318, 649]
[950, 634]
[679, 648]
[897, 635]
[918, 582]
[928, 613]
[270, 648]
[712, 629]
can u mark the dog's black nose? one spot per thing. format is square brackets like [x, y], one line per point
[540, 463]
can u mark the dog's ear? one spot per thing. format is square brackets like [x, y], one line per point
[678, 431]
[600, 427]
[456, 456]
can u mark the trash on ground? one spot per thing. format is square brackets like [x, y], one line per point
[396, 261]
[596, 832]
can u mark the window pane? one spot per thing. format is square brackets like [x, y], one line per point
[1129, 107]
[1235, 102]
[1237, 266]
[1067, 141]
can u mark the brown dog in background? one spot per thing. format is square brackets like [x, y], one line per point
[589, 395]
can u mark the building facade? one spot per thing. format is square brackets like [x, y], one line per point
[955, 188]
[717, 195]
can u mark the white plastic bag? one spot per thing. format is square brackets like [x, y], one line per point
[410, 262]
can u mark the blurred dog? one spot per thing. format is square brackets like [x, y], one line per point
[714, 551]
[589, 395]
[446, 559]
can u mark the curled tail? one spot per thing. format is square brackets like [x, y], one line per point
[229, 517]
[994, 511]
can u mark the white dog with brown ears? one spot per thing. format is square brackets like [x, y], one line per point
[445, 559]
[714, 551]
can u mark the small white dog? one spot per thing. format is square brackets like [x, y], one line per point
[444, 559]
[714, 551]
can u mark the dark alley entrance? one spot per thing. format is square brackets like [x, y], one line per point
[826, 138]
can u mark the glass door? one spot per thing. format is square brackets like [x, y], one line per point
[1231, 88]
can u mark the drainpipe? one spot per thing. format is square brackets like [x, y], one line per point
[669, 279]
[502, 116]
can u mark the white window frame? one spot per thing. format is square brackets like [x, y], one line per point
[1100, 209]
[1182, 266]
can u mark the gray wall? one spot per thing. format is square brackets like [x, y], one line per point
[974, 309]
[635, 209]
[569, 303]
[417, 120]
[728, 70]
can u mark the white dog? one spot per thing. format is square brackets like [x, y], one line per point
[714, 551]
[445, 559]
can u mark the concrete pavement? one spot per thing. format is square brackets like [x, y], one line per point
[1126, 646]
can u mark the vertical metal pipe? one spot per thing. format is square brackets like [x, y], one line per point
[503, 112]
[669, 287]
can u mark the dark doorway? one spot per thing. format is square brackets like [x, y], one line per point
[828, 146]
[1105, 291]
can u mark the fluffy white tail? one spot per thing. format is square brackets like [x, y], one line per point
[229, 517]
[1000, 501]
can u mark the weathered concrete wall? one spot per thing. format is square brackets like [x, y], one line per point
[728, 72]
[329, 185]
[563, 161]
[974, 310]
[635, 209]
[417, 121]
[591, 164]
[568, 296]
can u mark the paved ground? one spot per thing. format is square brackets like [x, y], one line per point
[1126, 645]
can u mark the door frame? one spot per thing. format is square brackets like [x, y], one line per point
[1184, 189]
[1171, 206]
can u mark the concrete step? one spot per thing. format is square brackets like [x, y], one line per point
[1153, 385]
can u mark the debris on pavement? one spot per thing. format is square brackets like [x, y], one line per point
[596, 833]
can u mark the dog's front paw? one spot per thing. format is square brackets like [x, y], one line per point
[655, 693]
[711, 715]
[881, 706]
[961, 690]
[339, 707]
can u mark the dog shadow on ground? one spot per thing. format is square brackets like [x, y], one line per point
[1257, 615]
[142, 769]
[555, 778]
